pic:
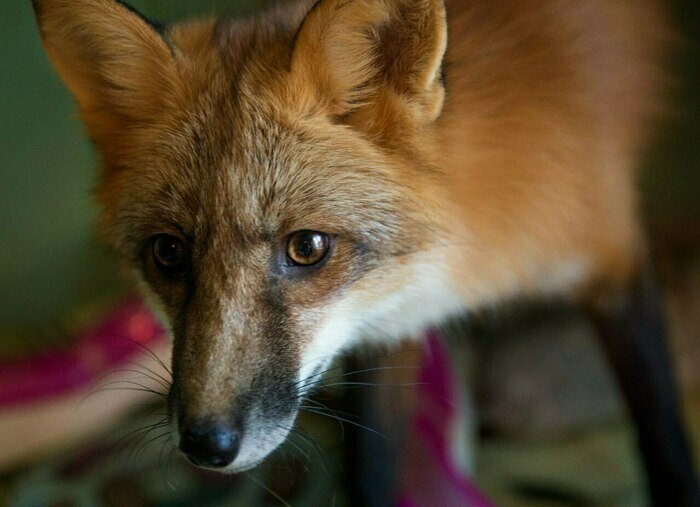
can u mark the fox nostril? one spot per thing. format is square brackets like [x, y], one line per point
[210, 445]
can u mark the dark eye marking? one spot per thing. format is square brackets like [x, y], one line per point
[307, 248]
[169, 253]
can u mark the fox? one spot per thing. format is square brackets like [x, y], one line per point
[329, 174]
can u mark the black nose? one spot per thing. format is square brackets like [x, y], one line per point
[210, 445]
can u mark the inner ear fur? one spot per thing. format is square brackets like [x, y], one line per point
[355, 50]
[118, 67]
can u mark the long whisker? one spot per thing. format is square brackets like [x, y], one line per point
[143, 445]
[128, 437]
[161, 463]
[310, 442]
[321, 406]
[266, 488]
[168, 462]
[137, 436]
[145, 349]
[137, 387]
[156, 374]
[142, 375]
[375, 384]
[348, 421]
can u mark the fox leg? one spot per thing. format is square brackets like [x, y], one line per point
[373, 452]
[633, 335]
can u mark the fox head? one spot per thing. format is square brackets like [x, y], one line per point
[271, 184]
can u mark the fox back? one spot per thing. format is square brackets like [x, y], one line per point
[283, 186]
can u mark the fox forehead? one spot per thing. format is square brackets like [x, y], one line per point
[267, 179]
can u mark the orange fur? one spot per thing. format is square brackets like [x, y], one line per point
[459, 153]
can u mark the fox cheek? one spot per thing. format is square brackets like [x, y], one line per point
[331, 335]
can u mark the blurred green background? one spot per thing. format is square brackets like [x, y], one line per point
[49, 262]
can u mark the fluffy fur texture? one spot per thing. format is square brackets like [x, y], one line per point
[458, 153]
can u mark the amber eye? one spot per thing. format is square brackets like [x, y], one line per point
[306, 248]
[168, 252]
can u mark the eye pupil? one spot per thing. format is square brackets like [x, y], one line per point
[306, 248]
[168, 251]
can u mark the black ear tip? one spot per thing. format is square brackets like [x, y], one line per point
[129, 7]
[158, 27]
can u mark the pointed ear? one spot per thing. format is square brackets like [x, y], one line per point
[352, 49]
[114, 62]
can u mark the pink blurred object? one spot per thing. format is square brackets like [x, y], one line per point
[114, 341]
[431, 474]
[47, 402]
